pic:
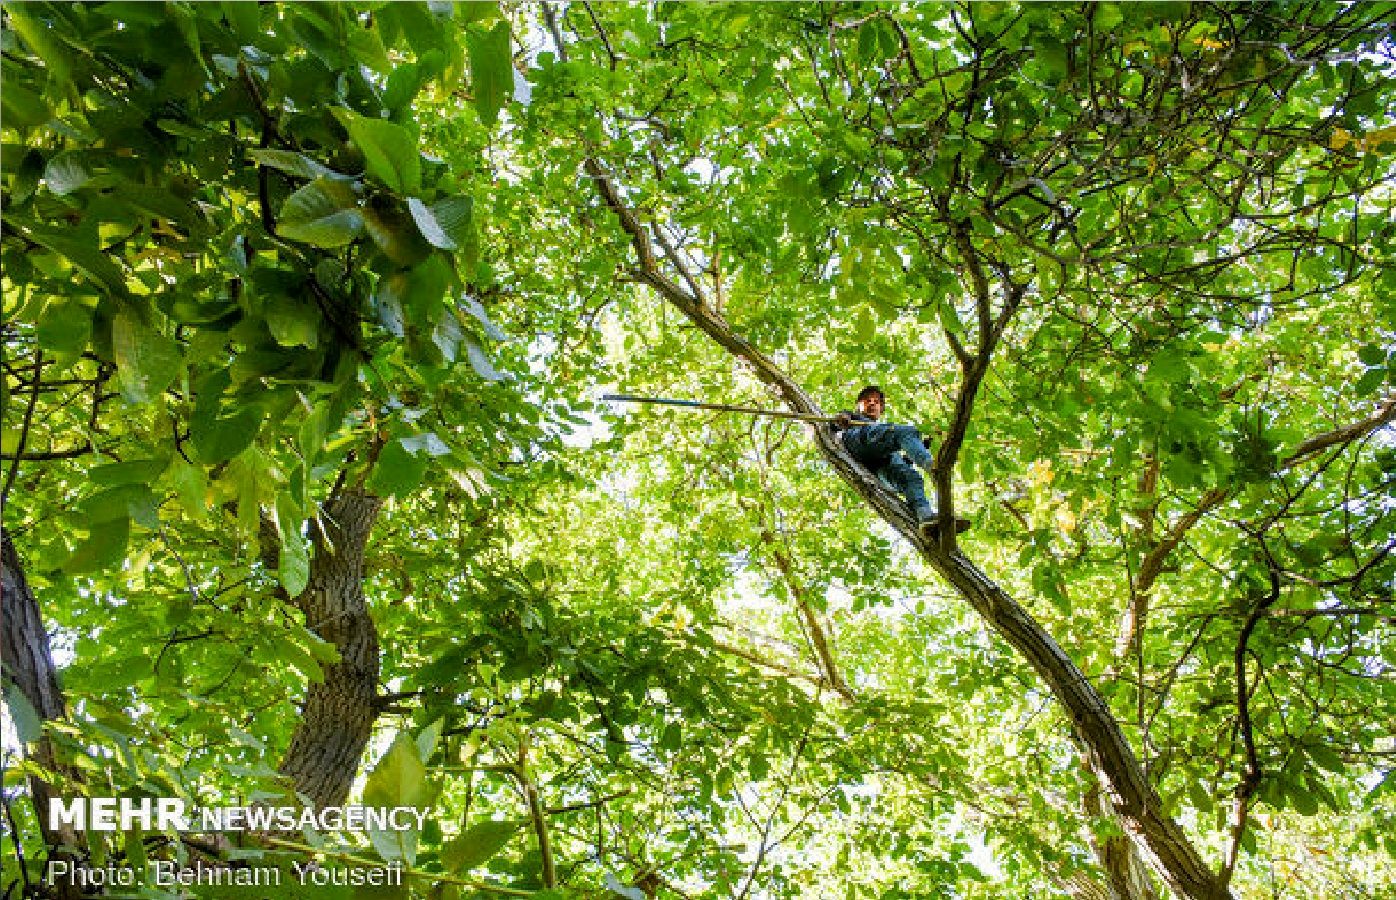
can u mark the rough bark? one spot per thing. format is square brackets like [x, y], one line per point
[1126, 872]
[338, 715]
[1385, 414]
[1133, 800]
[27, 661]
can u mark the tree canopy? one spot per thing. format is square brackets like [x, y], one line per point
[308, 492]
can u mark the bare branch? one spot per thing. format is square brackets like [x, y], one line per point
[1385, 413]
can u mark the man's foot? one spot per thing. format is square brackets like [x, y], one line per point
[930, 527]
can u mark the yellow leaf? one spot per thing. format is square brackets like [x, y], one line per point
[1366, 143]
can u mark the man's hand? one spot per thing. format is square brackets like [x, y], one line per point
[842, 421]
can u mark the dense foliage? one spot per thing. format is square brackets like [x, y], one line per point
[306, 308]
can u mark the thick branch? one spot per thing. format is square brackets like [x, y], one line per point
[338, 714]
[1385, 413]
[817, 636]
[537, 815]
[1152, 565]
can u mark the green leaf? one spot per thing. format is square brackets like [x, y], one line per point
[146, 361]
[454, 216]
[217, 440]
[28, 172]
[1305, 803]
[125, 501]
[400, 778]
[293, 568]
[367, 48]
[293, 163]
[478, 844]
[427, 738]
[23, 108]
[65, 325]
[28, 726]
[390, 151]
[294, 655]
[1324, 757]
[1370, 381]
[423, 31]
[294, 322]
[314, 430]
[1371, 355]
[397, 472]
[66, 173]
[133, 471]
[105, 546]
[949, 318]
[427, 442]
[82, 252]
[1108, 16]
[393, 230]
[324, 213]
[323, 651]
[480, 362]
[867, 42]
[243, 17]
[864, 328]
[428, 226]
[45, 44]
[191, 486]
[477, 311]
[491, 70]
[447, 335]
[477, 10]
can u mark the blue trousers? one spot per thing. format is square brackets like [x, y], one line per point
[884, 448]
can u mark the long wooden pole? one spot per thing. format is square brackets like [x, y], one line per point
[721, 407]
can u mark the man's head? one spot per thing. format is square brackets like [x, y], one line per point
[871, 402]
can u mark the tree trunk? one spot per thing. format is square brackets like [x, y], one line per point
[1126, 872]
[28, 669]
[339, 712]
[1122, 780]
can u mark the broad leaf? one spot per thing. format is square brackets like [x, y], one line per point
[390, 151]
[324, 213]
[478, 844]
[491, 70]
[427, 224]
[146, 361]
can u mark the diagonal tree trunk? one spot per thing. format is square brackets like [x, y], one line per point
[26, 660]
[1126, 872]
[338, 715]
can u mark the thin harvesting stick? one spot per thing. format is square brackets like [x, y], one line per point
[721, 407]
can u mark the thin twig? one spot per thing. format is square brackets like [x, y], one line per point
[24, 428]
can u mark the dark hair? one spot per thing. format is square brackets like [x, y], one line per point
[871, 390]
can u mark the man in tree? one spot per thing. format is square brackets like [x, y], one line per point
[884, 449]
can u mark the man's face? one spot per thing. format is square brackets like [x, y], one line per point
[871, 406]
